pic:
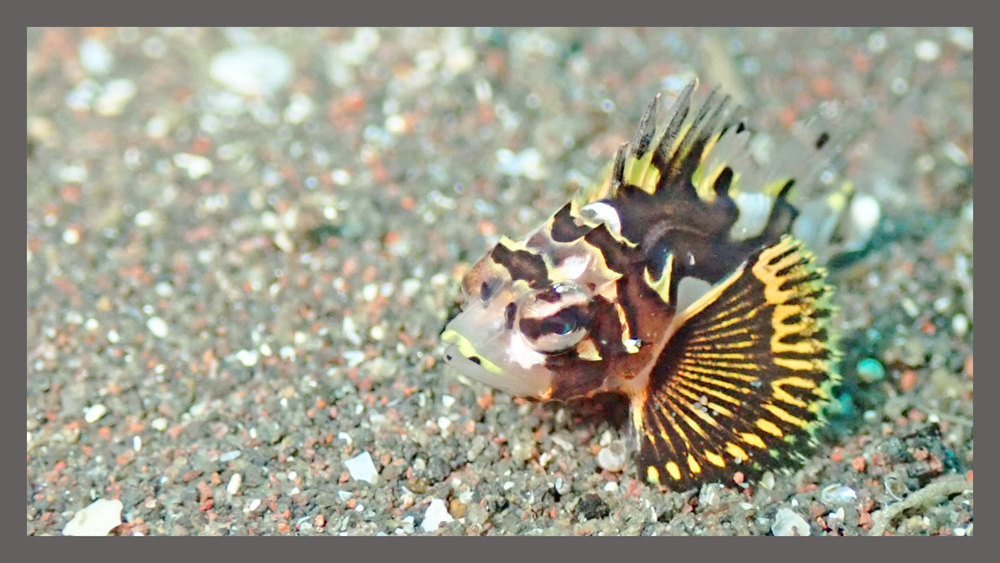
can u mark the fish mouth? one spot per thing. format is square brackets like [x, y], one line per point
[461, 348]
[474, 366]
[464, 356]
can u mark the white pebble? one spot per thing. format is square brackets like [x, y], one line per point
[229, 456]
[351, 331]
[562, 443]
[838, 494]
[96, 520]
[255, 70]
[248, 357]
[956, 154]
[353, 357]
[144, 218]
[866, 212]
[877, 42]
[459, 60]
[340, 177]
[544, 459]
[788, 523]
[927, 50]
[71, 236]
[115, 96]
[410, 287]
[612, 457]
[961, 36]
[447, 401]
[136, 443]
[95, 413]
[157, 127]
[195, 165]
[941, 304]
[234, 484]
[767, 480]
[436, 514]
[158, 327]
[395, 124]
[159, 424]
[95, 58]
[254, 504]
[606, 438]
[960, 324]
[362, 468]
[74, 174]
[527, 163]
[283, 241]
[300, 107]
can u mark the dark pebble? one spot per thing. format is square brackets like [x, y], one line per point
[592, 507]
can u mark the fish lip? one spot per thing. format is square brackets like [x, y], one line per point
[461, 363]
[451, 354]
[478, 331]
[517, 384]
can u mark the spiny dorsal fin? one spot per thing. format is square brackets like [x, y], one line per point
[618, 172]
[647, 129]
[677, 117]
[740, 385]
[697, 173]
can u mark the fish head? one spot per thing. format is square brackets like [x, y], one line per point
[530, 311]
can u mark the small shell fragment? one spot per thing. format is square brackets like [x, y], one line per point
[787, 522]
[612, 457]
[97, 519]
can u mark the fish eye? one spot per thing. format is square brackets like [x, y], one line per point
[562, 323]
[555, 319]
[558, 331]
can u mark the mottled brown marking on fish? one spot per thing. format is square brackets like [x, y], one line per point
[522, 265]
[564, 227]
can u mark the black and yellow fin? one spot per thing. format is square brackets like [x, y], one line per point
[741, 383]
[633, 164]
[663, 161]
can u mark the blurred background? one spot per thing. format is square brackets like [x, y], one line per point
[242, 245]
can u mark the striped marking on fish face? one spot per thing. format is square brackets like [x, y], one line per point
[536, 311]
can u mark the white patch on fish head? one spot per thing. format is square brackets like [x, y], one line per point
[574, 266]
[603, 213]
[520, 352]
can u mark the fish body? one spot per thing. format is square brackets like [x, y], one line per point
[676, 282]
